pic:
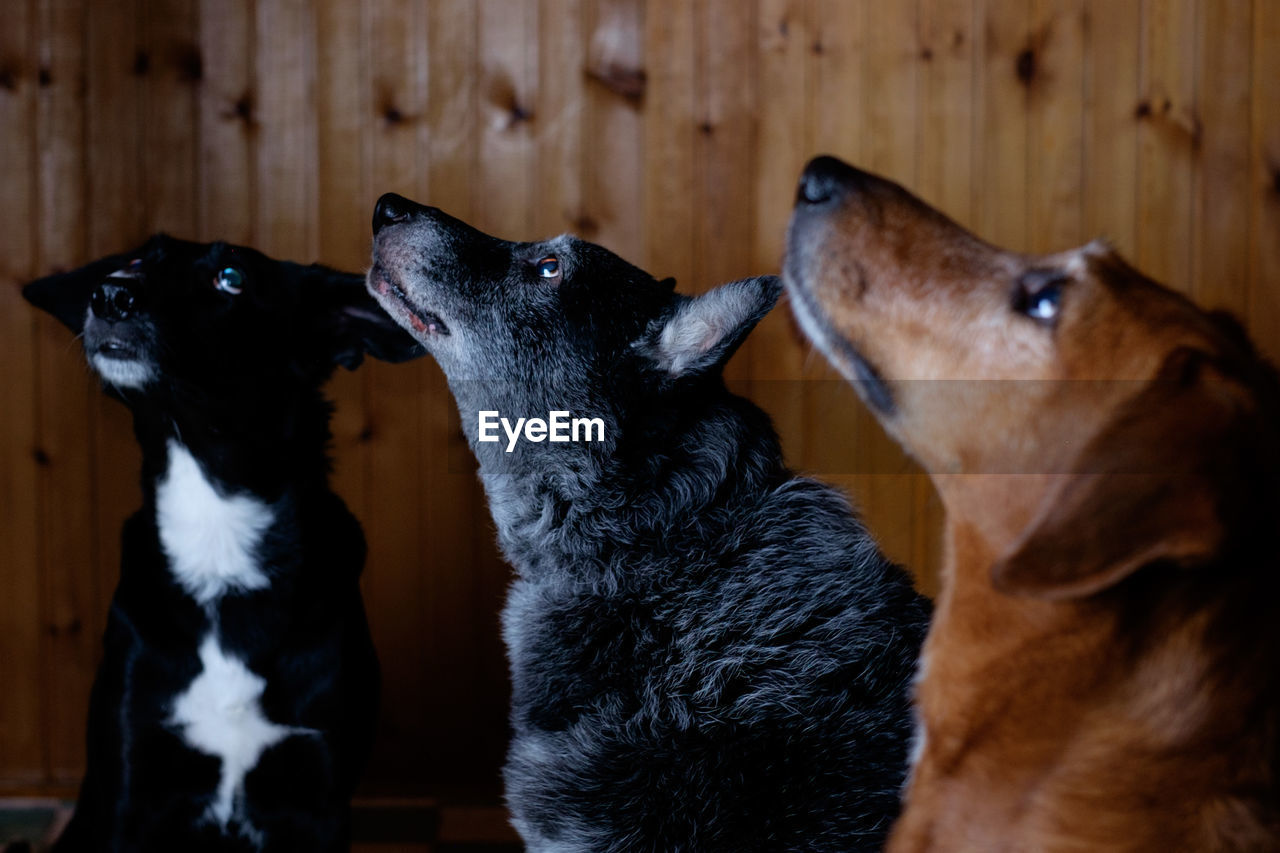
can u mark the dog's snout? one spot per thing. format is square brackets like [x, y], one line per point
[826, 178]
[112, 301]
[392, 208]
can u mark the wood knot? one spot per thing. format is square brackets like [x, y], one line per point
[366, 434]
[1025, 66]
[628, 83]
[706, 128]
[519, 113]
[817, 48]
[44, 76]
[392, 115]
[242, 109]
[1142, 110]
[189, 62]
[8, 78]
[141, 63]
[585, 225]
[41, 457]
[1275, 180]
[927, 54]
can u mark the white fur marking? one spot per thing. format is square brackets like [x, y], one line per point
[211, 539]
[123, 373]
[220, 715]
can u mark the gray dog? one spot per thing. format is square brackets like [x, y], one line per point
[707, 652]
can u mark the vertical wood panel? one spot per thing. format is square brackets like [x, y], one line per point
[396, 455]
[1220, 244]
[117, 211]
[1264, 269]
[67, 497]
[672, 132]
[1166, 139]
[22, 733]
[344, 206]
[1056, 126]
[228, 116]
[614, 171]
[1114, 40]
[783, 142]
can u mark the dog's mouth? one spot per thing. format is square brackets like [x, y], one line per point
[395, 300]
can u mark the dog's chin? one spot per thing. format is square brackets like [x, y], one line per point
[123, 371]
[848, 359]
[427, 326]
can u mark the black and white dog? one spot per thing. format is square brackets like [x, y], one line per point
[235, 704]
[707, 652]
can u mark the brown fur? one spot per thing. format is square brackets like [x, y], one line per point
[1102, 669]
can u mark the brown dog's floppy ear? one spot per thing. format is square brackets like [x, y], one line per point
[1150, 487]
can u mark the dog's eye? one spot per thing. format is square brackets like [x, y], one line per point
[1039, 295]
[548, 267]
[229, 280]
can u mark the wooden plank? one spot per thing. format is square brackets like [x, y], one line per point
[175, 70]
[725, 151]
[1264, 268]
[669, 118]
[558, 119]
[838, 88]
[504, 175]
[398, 452]
[286, 147]
[614, 170]
[782, 146]
[67, 397]
[23, 734]
[118, 65]
[1220, 239]
[1114, 38]
[344, 202]
[228, 118]
[1000, 167]
[1055, 144]
[465, 579]
[1166, 142]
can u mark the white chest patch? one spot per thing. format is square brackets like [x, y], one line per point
[220, 715]
[211, 539]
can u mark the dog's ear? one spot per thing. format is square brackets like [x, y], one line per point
[704, 331]
[66, 295]
[1156, 485]
[353, 323]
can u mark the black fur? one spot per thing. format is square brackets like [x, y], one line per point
[235, 379]
[707, 652]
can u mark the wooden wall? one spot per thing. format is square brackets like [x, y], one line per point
[671, 131]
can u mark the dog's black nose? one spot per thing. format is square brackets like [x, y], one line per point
[113, 301]
[826, 178]
[390, 209]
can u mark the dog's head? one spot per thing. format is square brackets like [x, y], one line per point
[555, 324]
[173, 316]
[1117, 400]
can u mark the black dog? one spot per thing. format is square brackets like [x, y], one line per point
[235, 703]
[708, 653]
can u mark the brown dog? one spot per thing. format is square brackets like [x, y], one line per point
[1102, 669]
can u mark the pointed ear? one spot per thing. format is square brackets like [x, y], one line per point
[356, 324]
[66, 295]
[704, 331]
[1157, 484]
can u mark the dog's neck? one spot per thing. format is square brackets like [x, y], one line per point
[588, 502]
[265, 448]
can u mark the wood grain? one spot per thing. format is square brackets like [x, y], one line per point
[672, 132]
